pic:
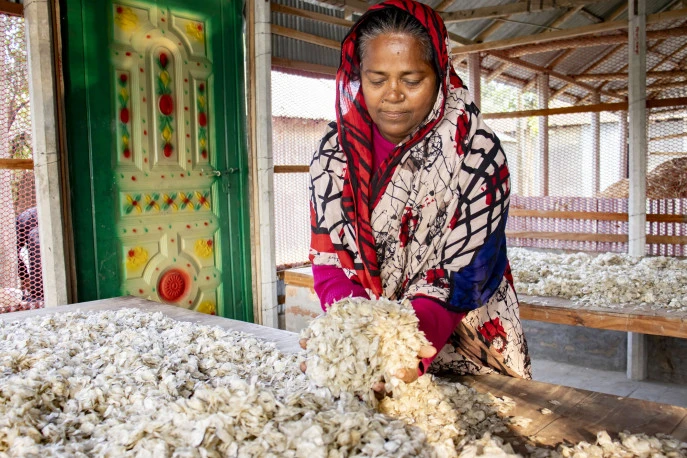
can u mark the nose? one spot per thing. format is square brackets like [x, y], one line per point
[394, 95]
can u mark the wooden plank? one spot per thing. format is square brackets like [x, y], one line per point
[16, 164]
[278, 8]
[12, 9]
[580, 415]
[588, 237]
[595, 108]
[300, 277]
[565, 33]
[291, 169]
[306, 37]
[573, 236]
[600, 216]
[644, 320]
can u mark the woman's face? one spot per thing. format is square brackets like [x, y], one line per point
[399, 85]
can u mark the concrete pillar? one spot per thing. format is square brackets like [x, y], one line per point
[475, 77]
[264, 262]
[596, 147]
[543, 90]
[636, 354]
[624, 150]
[38, 20]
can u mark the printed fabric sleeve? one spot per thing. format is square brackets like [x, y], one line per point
[472, 261]
[331, 285]
[480, 230]
[437, 323]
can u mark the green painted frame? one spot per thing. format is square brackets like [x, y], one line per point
[94, 224]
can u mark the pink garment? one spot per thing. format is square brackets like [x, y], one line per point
[331, 283]
[436, 322]
[382, 148]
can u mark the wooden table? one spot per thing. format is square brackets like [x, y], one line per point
[579, 416]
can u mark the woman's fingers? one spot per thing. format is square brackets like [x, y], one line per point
[379, 390]
[426, 351]
[303, 367]
[407, 375]
[303, 343]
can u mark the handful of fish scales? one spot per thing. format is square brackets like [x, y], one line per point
[359, 342]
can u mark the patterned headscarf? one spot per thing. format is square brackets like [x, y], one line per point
[353, 227]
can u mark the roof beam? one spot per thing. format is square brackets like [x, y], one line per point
[560, 76]
[622, 76]
[279, 8]
[566, 33]
[306, 37]
[443, 5]
[592, 41]
[358, 6]
[560, 20]
[496, 11]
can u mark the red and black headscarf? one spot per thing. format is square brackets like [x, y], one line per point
[362, 188]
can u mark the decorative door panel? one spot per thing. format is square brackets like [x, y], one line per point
[178, 209]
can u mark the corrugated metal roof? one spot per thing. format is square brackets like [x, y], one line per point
[575, 61]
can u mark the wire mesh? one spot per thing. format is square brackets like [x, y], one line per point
[21, 285]
[302, 106]
[581, 162]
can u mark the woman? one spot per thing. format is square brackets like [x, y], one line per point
[409, 195]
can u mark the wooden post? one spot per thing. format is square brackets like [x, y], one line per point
[636, 343]
[624, 171]
[475, 78]
[262, 221]
[47, 158]
[543, 90]
[596, 147]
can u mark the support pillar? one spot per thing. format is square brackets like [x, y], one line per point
[475, 77]
[596, 147]
[543, 90]
[46, 158]
[636, 343]
[262, 174]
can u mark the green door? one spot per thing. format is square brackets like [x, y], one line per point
[156, 150]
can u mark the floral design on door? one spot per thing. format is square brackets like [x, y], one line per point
[167, 226]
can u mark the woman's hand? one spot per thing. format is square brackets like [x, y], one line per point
[408, 375]
[303, 343]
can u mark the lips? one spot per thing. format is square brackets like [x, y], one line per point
[394, 114]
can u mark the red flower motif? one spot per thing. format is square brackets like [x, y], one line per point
[201, 87]
[123, 78]
[493, 332]
[202, 119]
[437, 277]
[209, 242]
[166, 104]
[124, 115]
[167, 150]
[204, 153]
[406, 220]
[163, 60]
[126, 153]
